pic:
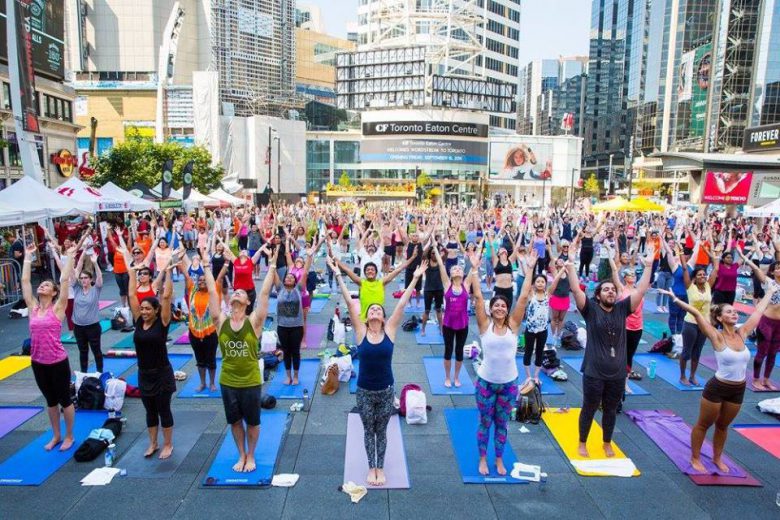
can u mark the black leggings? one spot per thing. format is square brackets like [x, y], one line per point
[54, 382]
[608, 394]
[586, 257]
[158, 410]
[454, 340]
[290, 340]
[205, 351]
[632, 343]
[88, 338]
[534, 344]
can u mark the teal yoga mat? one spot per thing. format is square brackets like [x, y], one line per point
[656, 328]
[667, 369]
[576, 363]
[69, 339]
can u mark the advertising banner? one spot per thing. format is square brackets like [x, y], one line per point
[726, 187]
[426, 128]
[187, 180]
[423, 151]
[702, 62]
[762, 138]
[684, 87]
[764, 189]
[46, 26]
[167, 179]
[530, 159]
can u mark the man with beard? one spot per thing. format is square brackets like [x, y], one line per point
[604, 367]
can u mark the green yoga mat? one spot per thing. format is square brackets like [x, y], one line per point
[69, 339]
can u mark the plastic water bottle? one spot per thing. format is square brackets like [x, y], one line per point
[305, 399]
[542, 481]
[108, 457]
[651, 369]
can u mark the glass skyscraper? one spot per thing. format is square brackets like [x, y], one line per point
[765, 106]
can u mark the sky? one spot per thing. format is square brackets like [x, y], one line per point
[545, 32]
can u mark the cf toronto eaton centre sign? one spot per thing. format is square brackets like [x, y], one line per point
[426, 128]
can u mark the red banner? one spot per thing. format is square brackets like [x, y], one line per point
[726, 187]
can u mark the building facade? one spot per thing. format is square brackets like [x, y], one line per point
[537, 79]
[316, 64]
[553, 105]
[765, 105]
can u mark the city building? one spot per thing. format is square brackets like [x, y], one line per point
[308, 17]
[765, 106]
[54, 104]
[316, 64]
[555, 104]
[537, 78]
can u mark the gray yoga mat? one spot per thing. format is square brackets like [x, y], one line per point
[356, 460]
[187, 428]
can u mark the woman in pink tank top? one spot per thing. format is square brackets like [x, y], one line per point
[49, 359]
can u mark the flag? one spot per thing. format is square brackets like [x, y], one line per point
[167, 178]
[268, 155]
[567, 122]
[187, 180]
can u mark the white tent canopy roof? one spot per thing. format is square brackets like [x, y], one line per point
[770, 210]
[227, 197]
[75, 189]
[196, 198]
[10, 216]
[37, 202]
[136, 203]
[157, 190]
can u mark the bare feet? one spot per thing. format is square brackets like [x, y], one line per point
[52, 443]
[371, 477]
[720, 465]
[447, 382]
[380, 477]
[250, 465]
[500, 466]
[628, 390]
[457, 383]
[200, 388]
[287, 381]
[422, 332]
[758, 385]
[238, 467]
[483, 467]
[694, 381]
[697, 465]
[295, 381]
[608, 451]
[166, 451]
[212, 387]
[66, 444]
[684, 381]
[769, 385]
[150, 450]
[537, 382]
[582, 449]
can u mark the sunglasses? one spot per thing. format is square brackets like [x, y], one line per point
[145, 273]
[137, 252]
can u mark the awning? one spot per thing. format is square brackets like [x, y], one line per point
[692, 161]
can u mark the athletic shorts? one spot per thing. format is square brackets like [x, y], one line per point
[716, 391]
[435, 299]
[242, 403]
[559, 303]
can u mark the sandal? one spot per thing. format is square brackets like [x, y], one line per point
[635, 375]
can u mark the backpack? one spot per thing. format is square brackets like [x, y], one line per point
[663, 346]
[115, 394]
[569, 340]
[411, 324]
[530, 406]
[550, 359]
[416, 407]
[91, 394]
[406, 389]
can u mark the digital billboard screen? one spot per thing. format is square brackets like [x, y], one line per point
[47, 25]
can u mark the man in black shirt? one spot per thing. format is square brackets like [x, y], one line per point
[604, 367]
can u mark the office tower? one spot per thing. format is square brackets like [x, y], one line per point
[765, 105]
[540, 77]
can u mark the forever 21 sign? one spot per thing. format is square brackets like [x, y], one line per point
[454, 129]
[760, 138]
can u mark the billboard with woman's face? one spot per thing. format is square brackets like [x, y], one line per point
[529, 159]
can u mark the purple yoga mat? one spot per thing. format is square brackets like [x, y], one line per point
[104, 304]
[356, 460]
[184, 339]
[11, 417]
[673, 436]
[314, 334]
[710, 362]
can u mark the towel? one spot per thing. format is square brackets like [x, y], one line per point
[613, 467]
[355, 492]
[285, 479]
[100, 476]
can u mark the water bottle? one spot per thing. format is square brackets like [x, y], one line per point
[513, 414]
[651, 369]
[109, 455]
[542, 481]
[305, 400]
[112, 414]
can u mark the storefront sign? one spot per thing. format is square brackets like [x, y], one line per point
[761, 138]
[65, 162]
[425, 128]
[421, 151]
[726, 187]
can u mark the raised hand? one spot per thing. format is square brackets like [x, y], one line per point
[421, 268]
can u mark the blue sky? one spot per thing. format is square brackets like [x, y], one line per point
[549, 28]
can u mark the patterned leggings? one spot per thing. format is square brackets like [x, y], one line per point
[375, 409]
[494, 402]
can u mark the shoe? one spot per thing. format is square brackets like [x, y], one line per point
[636, 376]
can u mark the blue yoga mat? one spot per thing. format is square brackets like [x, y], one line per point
[413, 308]
[126, 343]
[353, 380]
[656, 328]
[462, 425]
[667, 369]
[116, 365]
[192, 383]
[32, 465]
[434, 368]
[177, 362]
[317, 306]
[432, 336]
[69, 339]
[221, 471]
[307, 378]
[549, 386]
[576, 363]
[272, 303]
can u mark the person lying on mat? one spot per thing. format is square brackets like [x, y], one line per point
[496, 386]
[606, 359]
[375, 338]
[152, 318]
[722, 397]
[49, 358]
[240, 379]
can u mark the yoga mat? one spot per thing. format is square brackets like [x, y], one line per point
[321, 295]
[744, 308]
[177, 362]
[272, 429]
[307, 378]
[767, 436]
[710, 362]
[673, 436]
[68, 338]
[188, 427]
[116, 365]
[548, 385]
[462, 425]
[126, 343]
[656, 328]
[105, 304]
[434, 368]
[356, 459]
[667, 369]
[192, 383]
[413, 308]
[13, 364]
[315, 332]
[184, 339]
[272, 303]
[576, 363]
[11, 417]
[432, 336]
[353, 380]
[32, 465]
[317, 306]
[565, 429]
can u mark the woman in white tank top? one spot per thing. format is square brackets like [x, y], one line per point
[496, 386]
[722, 397]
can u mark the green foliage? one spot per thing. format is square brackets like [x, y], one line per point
[424, 180]
[591, 185]
[344, 180]
[142, 160]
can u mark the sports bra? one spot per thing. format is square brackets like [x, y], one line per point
[732, 364]
[503, 268]
[452, 245]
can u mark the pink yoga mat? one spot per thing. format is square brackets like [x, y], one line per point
[710, 362]
[105, 304]
[314, 334]
[356, 460]
[184, 339]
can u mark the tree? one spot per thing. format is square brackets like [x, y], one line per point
[142, 160]
[592, 186]
[344, 180]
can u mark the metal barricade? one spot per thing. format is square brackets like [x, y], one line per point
[10, 282]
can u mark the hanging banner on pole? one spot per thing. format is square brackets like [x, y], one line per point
[187, 180]
[167, 178]
[24, 56]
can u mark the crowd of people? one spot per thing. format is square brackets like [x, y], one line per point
[531, 264]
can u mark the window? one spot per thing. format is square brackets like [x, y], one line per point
[6, 96]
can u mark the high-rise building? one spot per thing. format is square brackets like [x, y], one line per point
[537, 78]
[316, 64]
[553, 105]
[471, 38]
[765, 106]
[309, 17]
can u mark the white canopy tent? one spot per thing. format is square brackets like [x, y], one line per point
[136, 203]
[12, 217]
[196, 199]
[770, 210]
[38, 202]
[77, 190]
[227, 197]
[157, 190]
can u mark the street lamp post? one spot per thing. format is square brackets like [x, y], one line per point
[270, 130]
[571, 193]
[278, 166]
